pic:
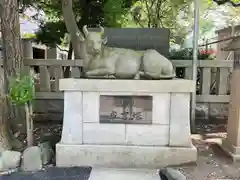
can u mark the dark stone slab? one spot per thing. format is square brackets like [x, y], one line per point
[138, 38]
[53, 173]
[171, 174]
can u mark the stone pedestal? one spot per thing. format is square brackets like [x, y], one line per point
[231, 144]
[86, 141]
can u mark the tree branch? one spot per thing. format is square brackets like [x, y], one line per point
[221, 2]
[148, 13]
[61, 48]
[75, 34]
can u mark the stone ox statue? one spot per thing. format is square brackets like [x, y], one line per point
[107, 62]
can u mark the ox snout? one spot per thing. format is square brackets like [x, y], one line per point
[97, 50]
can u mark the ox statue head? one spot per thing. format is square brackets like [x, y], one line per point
[94, 40]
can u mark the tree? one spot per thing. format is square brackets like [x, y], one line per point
[226, 10]
[12, 64]
[163, 14]
[109, 13]
[52, 32]
[234, 3]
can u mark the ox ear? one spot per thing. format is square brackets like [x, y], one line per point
[104, 41]
[80, 36]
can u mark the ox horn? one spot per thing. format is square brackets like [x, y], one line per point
[85, 31]
[102, 30]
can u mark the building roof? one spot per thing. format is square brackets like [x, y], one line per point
[228, 29]
[233, 45]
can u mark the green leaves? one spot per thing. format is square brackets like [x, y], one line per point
[21, 90]
[115, 12]
[51, 33]
[187, 54]
[234, 3]
[173, 15]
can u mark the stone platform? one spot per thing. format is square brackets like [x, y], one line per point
[159, 137]
[123, 156]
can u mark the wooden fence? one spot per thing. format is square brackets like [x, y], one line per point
[213, 79]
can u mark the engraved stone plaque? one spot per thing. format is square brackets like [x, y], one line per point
[126, 109]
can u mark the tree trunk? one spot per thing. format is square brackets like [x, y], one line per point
[71, 24]
[29, 122]
[12, 61]
[4, 136]
[67, 71]
[77, 37]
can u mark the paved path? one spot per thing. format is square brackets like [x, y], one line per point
[124, 174]
[81, 173]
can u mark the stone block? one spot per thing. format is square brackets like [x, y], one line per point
[46, 152]
[32, 159]
[180, 135]
[161, 105]
[115, 156]
[91, 107]
[171, 174]
[9, 160]
[94, 133]
[126, 174]
[72, 120]
[148, 135]
[133, 86]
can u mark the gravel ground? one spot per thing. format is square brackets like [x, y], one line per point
[212, 163]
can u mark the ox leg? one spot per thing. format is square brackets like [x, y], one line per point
[138, 75]
[101, 72]
[162, 76]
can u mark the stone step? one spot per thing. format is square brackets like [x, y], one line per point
[124, 174]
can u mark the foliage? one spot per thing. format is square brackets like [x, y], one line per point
[115, 13]
[22, 93]
[168, 14]
[228, 13]
[234, 3]
[52, 31]
[187, 54]
[21, 90]
[176, 15]
[29, 36]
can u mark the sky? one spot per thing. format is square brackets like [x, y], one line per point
[28, 25]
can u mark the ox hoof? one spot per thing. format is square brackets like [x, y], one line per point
[110, 77]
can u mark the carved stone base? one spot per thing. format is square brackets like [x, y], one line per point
[117, 156]
[162, 138]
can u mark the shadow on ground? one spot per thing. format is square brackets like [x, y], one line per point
[213, 162]
[52, 173]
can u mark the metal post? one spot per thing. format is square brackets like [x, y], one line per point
[195, 61]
